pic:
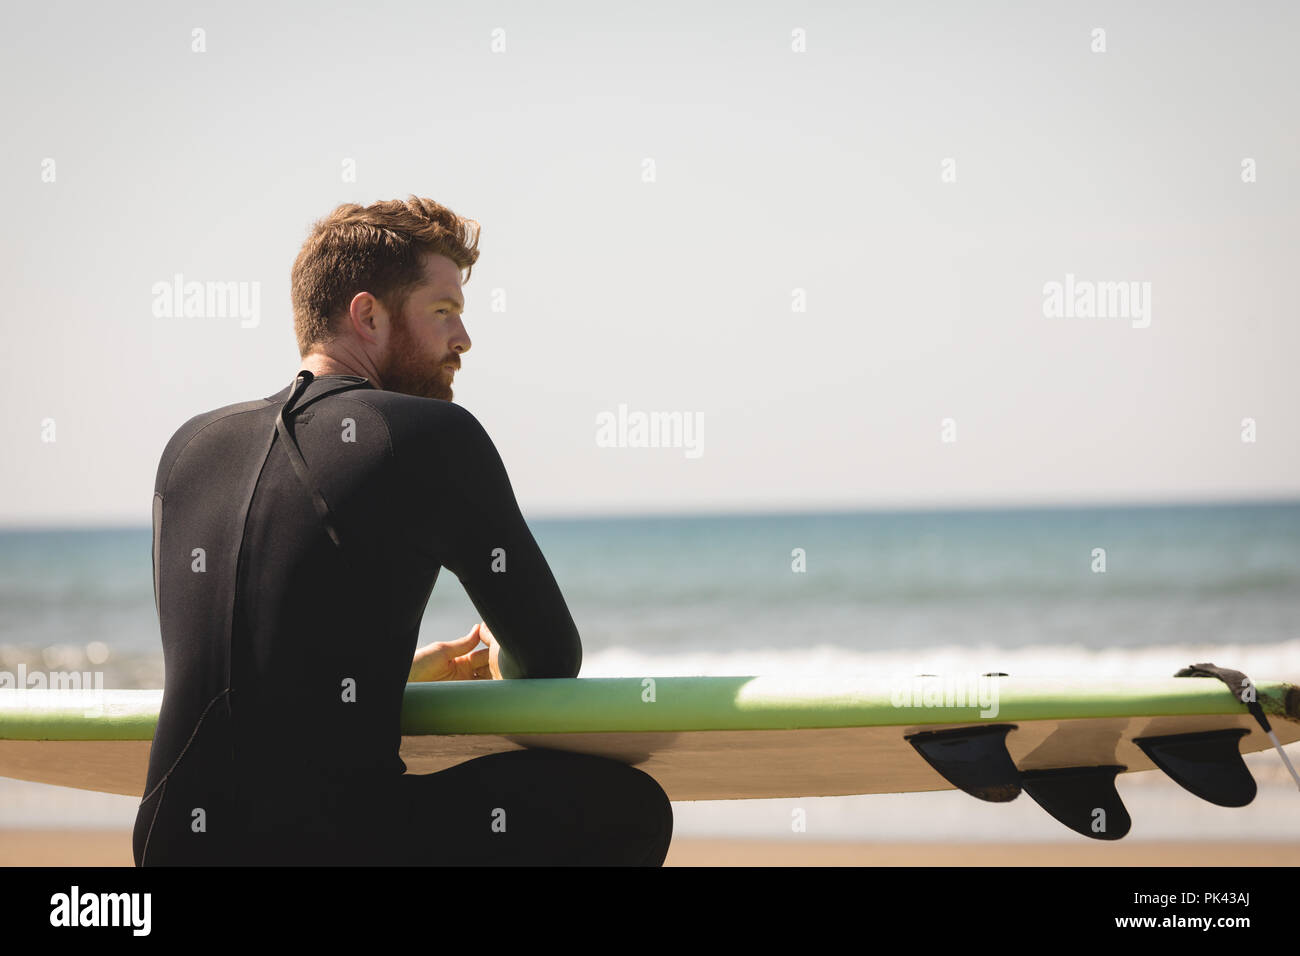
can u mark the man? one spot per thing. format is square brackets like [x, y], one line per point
[296, 541]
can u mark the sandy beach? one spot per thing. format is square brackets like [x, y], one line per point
[40, 847]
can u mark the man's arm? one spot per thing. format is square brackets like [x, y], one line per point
[490, 549]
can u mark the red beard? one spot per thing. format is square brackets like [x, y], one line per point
[409, 373]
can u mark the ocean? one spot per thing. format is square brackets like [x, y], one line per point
[1013, 590]
[881, 593]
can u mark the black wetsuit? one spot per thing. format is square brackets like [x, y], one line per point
[296, 541]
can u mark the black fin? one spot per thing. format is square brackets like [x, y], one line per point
[1207, 764]
[1083, 798]
[973, 759]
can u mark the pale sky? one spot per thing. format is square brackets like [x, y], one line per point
[774, 170]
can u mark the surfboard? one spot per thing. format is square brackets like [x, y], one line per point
[1063, 741]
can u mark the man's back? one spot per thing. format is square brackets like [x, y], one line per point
[290, 597]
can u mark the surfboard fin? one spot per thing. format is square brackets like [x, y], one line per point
[1083, 798]
[973, 759]
[1207, 764]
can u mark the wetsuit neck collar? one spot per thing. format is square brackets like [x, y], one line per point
[332, 377]
[318, 386]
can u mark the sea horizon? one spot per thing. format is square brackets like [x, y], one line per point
[946, 507]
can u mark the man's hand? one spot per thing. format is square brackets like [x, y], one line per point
[458, 660]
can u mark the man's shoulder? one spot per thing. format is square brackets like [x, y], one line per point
[413, 418]
[184, 436]
[411, 422]
[202, 420]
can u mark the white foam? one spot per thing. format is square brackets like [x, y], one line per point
[1278, 661]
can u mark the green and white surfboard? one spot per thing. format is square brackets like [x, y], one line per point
[724, 738]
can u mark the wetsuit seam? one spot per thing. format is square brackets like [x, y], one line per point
[144, 851]
[388, 434]
[234, 590]
[155, 558]
[180, 756]
[180, 451]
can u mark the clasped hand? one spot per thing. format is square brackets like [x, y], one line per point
[458, 660]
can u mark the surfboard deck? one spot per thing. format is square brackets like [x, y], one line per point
[702, 738]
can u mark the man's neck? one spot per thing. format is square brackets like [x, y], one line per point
[320, 363]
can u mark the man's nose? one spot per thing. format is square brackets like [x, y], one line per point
[460, 340]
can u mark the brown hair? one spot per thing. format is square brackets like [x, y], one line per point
[378, 249]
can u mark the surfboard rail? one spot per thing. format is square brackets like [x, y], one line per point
[712, 738]
[677, 704]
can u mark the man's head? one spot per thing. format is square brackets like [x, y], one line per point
[377, 289]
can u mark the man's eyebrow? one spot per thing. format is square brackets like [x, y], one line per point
[456, 302]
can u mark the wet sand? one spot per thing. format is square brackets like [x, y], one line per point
[113, 848]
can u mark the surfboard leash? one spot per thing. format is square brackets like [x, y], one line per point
[1243, 688]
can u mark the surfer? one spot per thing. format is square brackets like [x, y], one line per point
[297, 539]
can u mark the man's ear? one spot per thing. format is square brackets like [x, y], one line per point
[366, 317]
